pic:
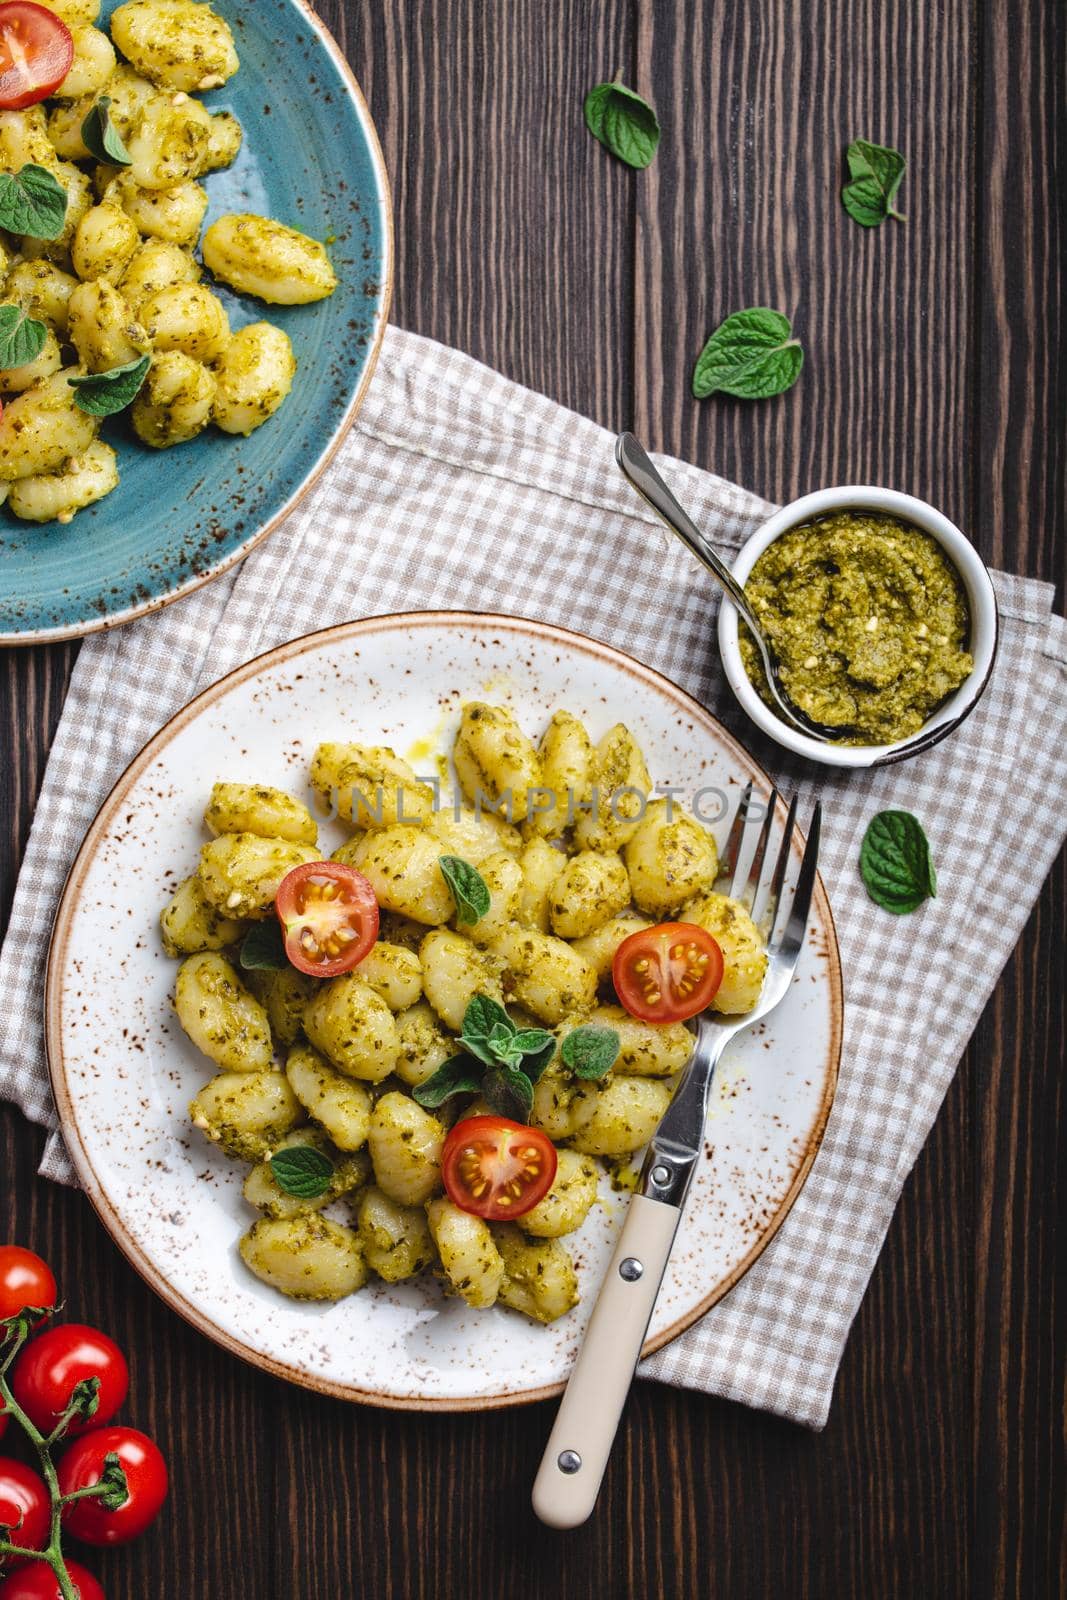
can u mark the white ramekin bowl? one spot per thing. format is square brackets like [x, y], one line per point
[980, 598]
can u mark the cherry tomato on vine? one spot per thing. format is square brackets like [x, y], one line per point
[25, 1509]
[329, 917]
[497, 1169]
[37, 1581]
[47, 1369]
[146, 1478]
[25, 1280]
[36, 52]
[667, 973]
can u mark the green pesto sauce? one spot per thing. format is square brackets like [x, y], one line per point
[868, 619]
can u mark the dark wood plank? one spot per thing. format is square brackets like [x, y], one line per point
[1020, 473]
[935, 361]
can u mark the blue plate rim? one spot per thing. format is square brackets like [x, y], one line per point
[384, 201]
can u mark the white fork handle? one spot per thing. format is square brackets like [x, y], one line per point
[579, 1445]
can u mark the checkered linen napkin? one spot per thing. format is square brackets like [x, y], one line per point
[459, 489]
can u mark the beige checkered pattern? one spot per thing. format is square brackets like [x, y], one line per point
[459, 489]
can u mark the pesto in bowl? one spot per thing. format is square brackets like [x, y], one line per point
[869, 620]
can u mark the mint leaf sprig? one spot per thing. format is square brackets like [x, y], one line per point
[895, 862]
[302, 1170]
[112, 1488]
[499, 1060]
[875, 171]
[751, 355]
[624, 123]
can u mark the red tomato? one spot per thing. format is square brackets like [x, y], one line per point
[329, 917]
[667, 973]
[37, 1581]
[48, 1368]
[23, 1496]
[36, 51]
[146, 1476]
[497, 1169]
[25, 1280]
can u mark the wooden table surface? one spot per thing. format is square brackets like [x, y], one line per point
[935, 363]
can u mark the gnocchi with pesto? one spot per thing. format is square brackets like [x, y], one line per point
[345, 1090]
[116, 291]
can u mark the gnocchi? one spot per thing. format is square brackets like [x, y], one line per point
[120, 282]
[552, 910]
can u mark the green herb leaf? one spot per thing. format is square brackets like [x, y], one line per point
[468, 888]
[483, 1019]
[536, 1048]
[458, 1075]
[623, 122]
[591, 1051]
[750, 355]
[32, 202]
[101, 137]
[85, 1398]
[116, 1490]
[263, 947]
[509, 1091]
[102, 394]
[21, 338]
[876, 171]
[895, 862]
[301, 1170]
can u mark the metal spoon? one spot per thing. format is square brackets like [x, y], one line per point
[636, 466]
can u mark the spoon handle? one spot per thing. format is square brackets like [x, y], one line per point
[635, 464]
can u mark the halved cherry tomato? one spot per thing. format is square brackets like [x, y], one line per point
[146, 1479]
[329, 917]
[36, 52]
[667, 973]
[37, 1581]
[25, 1509]
[25, 1280]
[44, 1376]
[497, 1169]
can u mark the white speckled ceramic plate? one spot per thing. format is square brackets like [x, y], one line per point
[123, 1072]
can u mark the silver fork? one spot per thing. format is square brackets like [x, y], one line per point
[579, 1445]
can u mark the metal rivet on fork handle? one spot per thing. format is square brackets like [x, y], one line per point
[630, 1269]
[569, 1461]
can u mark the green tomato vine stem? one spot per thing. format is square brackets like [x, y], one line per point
[16, 1331]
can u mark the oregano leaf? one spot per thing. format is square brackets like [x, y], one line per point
[101, 137]
[22, 338]
[103, 394]
[263, 947]
[468, 888]
[590, 1051]
[458, 1075]
[508, 1091]
[32, 202]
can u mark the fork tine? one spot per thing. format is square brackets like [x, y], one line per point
[770, 910]
[792, 939]
[728, 864]
[755, 871]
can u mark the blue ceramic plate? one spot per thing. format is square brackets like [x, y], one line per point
[179, 517]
